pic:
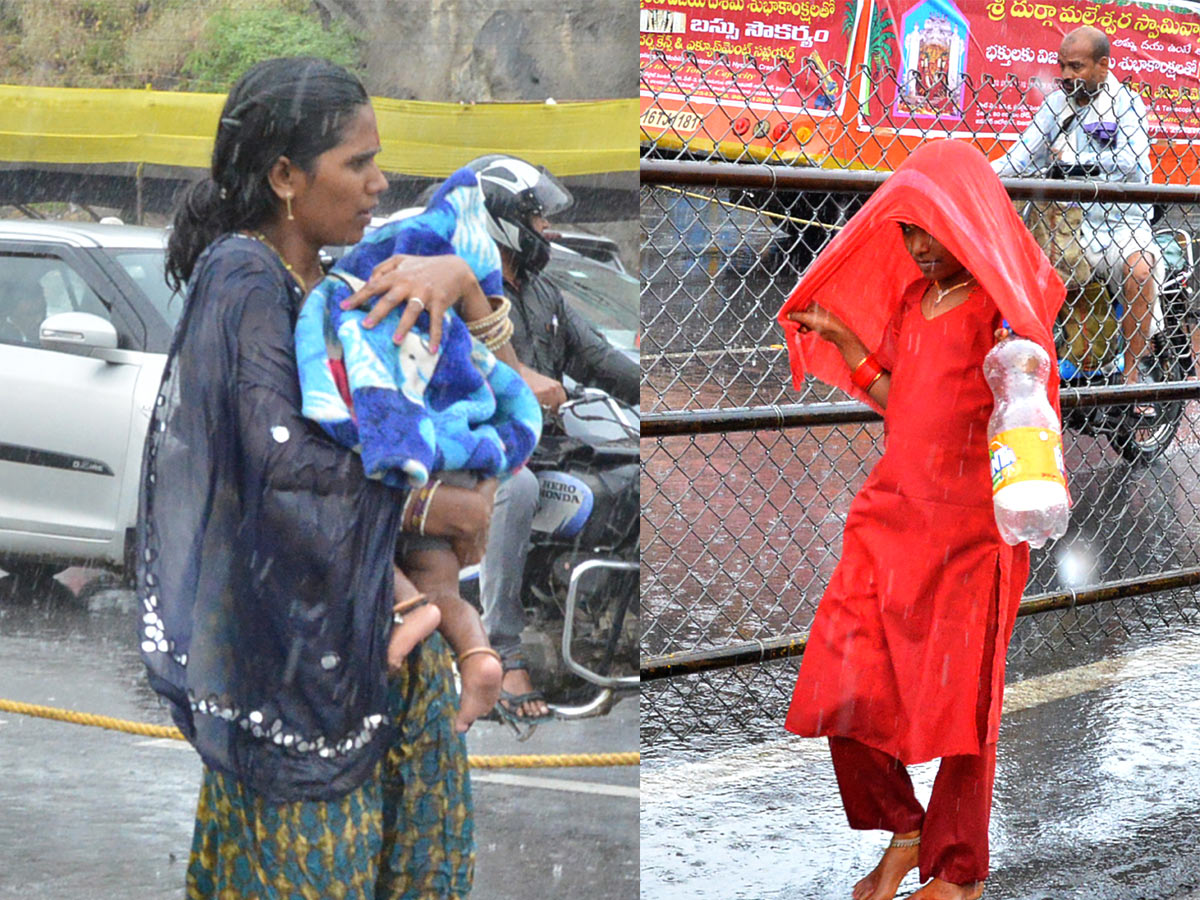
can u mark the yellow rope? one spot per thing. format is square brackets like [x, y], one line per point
[762, 212]
[522, 761]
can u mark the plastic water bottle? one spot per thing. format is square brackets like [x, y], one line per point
[1029, 485]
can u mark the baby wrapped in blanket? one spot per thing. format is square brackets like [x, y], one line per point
[418, 418]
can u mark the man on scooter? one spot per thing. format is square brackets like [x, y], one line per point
[550, 340]
[1095, 128]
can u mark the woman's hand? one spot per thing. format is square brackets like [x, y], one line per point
[462, 516]
[419, 621]
[823, 323]
[434, 283]
[470, 543]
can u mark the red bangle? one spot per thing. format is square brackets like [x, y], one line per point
[867, 373]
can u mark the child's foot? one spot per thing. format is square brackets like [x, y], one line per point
[418, 624]
[885, 878]
[945, 890]
[481, 676]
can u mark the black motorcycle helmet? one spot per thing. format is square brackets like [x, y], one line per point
[514, 192]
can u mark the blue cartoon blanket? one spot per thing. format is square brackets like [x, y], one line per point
[416, 413]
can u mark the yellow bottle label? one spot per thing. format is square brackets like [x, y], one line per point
[1026, 454]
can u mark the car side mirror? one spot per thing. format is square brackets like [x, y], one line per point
[77, 332]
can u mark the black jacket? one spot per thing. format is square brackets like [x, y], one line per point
[551, 338]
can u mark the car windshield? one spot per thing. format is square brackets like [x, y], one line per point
[606, 297]
[147, 268]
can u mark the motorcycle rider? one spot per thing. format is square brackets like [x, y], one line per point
[549, 340]
[1095, 127]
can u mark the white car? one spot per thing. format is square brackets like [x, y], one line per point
[85, 324]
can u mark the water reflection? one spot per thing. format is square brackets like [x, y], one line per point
[1096, 795]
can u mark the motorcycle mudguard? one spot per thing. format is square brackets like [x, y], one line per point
[564, 504]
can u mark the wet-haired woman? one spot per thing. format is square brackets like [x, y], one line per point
[265, 554]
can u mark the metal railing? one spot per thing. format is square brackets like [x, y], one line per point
[745, 482]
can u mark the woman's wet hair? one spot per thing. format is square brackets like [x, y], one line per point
[296, 107]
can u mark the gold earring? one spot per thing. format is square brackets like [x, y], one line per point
[288, 198]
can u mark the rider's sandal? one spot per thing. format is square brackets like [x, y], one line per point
[507, 707]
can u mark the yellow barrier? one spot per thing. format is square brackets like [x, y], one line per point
[521, 761]
[93, 126]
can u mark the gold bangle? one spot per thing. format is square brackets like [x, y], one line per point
[477, 326]
[502, 336]
[403, 606]
[485, 334]
[420, 508]
[476, 650]
[432, 487]
[407, 507]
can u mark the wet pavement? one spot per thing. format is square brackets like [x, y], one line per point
[91, 814]
[1097, 797]
[1096, 794]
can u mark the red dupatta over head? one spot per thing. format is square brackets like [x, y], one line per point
[948, 189]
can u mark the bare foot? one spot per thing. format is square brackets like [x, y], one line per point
[517, 682]
[945, 890]
[418, 624]
[481, 676]
[885, 878]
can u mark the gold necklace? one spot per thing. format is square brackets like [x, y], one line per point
[943, 294]
[262, 238]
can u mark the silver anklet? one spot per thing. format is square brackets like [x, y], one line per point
[902, 843]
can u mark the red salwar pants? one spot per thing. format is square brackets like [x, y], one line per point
[877, 793]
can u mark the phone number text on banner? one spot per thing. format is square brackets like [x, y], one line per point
[788, 56]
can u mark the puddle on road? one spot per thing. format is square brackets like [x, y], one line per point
[84, 614]
[1095, 794]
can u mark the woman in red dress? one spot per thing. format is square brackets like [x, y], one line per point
[905, 660]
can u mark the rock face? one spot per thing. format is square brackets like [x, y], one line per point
[492, 50]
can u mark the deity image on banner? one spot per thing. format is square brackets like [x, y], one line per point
[933, 58]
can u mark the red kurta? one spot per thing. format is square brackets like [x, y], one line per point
[895, 658]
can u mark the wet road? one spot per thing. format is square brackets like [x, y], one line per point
[91, 814]
[1097, 797]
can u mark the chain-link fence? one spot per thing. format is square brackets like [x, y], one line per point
[807, 112]
[746, 483]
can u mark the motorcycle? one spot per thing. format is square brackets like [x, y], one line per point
[580, 585]
[581, 577]
[1141, 432]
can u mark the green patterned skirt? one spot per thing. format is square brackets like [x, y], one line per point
[405, 834]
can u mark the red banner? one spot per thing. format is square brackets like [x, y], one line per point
[983, 68]
[769, 55]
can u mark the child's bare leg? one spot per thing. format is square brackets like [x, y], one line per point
[434, 571]
[416, 625]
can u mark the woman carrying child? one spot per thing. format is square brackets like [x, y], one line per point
[266, 554]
